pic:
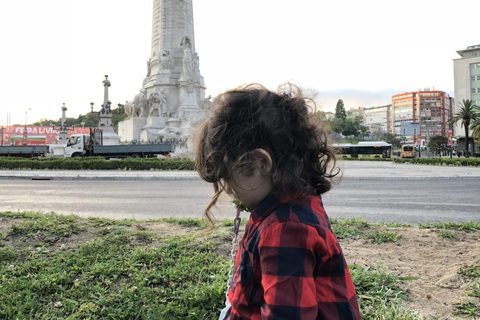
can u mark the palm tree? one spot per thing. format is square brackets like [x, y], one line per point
[467, 113]
[475, 125]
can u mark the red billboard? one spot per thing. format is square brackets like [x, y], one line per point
[34, 135]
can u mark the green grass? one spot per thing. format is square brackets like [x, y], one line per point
[471, 275]
[460, 226]
[68, 267]
[447, 234]
[379, 237]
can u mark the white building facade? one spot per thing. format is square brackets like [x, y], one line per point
[466, 71]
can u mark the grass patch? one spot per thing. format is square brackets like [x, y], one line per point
[67, 267]
[188, 222]
[460, 226]
[470, 308]
[349, 228]
[447, 234]
[379, 237]
[380, 294]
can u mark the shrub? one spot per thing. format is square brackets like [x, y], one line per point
[96, 163]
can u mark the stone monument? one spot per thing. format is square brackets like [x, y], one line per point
[62, 138]
[170, 104]
[108, 135]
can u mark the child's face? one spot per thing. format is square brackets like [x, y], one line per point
[249, 189]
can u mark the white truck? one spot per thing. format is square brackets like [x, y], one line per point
[83, 145]
[23, 151]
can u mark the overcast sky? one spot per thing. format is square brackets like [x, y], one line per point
[58, 51]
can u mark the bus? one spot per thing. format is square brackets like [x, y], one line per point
[364, 150]
[408, 151]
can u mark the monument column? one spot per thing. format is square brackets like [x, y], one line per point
[173, 87]
[106, 125]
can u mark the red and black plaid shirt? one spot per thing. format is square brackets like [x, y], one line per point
[290, 265]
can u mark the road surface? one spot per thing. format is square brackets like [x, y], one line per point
[387, 200]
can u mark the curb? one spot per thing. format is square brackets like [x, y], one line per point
[156, 178]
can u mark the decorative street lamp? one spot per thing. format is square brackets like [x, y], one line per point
[25, 131]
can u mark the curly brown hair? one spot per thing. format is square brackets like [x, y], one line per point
[252, 117]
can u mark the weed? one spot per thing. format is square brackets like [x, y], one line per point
[472, 271]
[468, 308]
[379, 293]
[7, 255]
[188, 222]
[461, 226]
[349, 228]
[378, 237]
[447, 234]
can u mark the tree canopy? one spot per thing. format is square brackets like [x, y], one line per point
[467, 113]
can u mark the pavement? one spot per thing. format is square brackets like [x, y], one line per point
[350, 170]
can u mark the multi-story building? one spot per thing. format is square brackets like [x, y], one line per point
[377, 118]
[466, 71]
[356, 113]
[431, 109]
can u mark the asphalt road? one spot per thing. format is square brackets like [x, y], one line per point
[387, 200]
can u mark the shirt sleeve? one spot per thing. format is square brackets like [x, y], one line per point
[303, 274]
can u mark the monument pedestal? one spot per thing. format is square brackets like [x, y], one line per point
[151, 128]
[130, 129]
[110, 139]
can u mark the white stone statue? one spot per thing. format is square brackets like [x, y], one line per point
[149, 67]
[206, 103]
[129, 109]
[157, 104]
[187, 58]
[169, 133]
[165, 62]
[140, 105]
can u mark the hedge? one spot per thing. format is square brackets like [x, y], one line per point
[95, 163]
[463, 162]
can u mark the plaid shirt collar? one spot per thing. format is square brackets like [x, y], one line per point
[268, 205]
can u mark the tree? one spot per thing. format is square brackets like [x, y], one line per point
[467, 113]
[351, 127]
[437, 144]
[118, 114]
[393, 140]
[475, 125]
[340, 111]
[336, 124]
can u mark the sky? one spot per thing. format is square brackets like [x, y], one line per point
[363, 52]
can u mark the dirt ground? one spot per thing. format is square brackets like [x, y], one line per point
[423, 253]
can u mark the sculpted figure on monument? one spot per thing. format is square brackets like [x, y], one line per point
[207, 103]
[187, 58]
[129, 109]
[149, 68]
[157, 104]
[196, 63]
[165, 62]
[140, 105]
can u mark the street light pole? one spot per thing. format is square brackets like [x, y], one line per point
[25, 131]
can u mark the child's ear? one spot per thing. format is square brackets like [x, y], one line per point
[264, 160]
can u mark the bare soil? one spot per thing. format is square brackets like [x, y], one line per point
[422, 253]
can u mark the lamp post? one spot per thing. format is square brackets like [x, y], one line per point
[25, 131]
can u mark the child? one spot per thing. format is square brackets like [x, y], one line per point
[262, 148]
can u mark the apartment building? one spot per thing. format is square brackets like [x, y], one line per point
[356, 113]
[430, 108]
[377, 118]
[466, 72]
